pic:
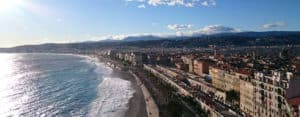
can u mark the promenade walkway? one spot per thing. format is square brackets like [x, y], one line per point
[151, 107]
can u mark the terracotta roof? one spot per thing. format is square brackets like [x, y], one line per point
[244, 71]
[294, 101]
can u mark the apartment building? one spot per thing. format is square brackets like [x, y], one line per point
[247, 98]
[224, 80]
[201, 66]
[189, 60]
[270, 95]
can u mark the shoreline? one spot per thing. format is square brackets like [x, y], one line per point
[136, 104]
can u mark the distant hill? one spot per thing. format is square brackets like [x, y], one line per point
[142, 38]
[259, 34]
[241, 39]
[242, 34]
[151, 38]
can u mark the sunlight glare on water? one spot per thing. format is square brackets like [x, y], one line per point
[6, 70]
[35, 85]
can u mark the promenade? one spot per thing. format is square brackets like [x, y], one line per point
[151, 107]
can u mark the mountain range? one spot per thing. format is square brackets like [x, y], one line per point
[271, 38]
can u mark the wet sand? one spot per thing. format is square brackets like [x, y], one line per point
[137, 106]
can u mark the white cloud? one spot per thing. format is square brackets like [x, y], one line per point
[189, 5]
[179, 26]
[155, 2]
[175, 2]
[208, 3]
[274, 25]
[184, 3]
[142, 6]
[207, 30]
[213, 29]
[123, 36]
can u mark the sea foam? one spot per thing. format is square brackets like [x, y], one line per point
[113, 98]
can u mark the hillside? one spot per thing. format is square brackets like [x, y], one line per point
[221, 40]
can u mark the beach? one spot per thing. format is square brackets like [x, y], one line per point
[137, 106]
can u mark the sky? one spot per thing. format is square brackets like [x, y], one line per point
[62, 21]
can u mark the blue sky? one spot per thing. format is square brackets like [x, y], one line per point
[42, 21]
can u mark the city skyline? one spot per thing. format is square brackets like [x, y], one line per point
[52, 21]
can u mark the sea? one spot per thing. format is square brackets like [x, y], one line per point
[60, 85]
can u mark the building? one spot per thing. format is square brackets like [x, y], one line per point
[224, 80]
[168, 72]
[189, 60]
[163, 60]
[297, 64]
[181, 66]
[247, 98]
[152, 59]
[232, 81]
[274, 94]
[293, 95]
[217, 76]
[201, 67]
[270, 95]
[138, 58]
[127, 57]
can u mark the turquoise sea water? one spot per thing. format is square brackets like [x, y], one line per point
[60, 85]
